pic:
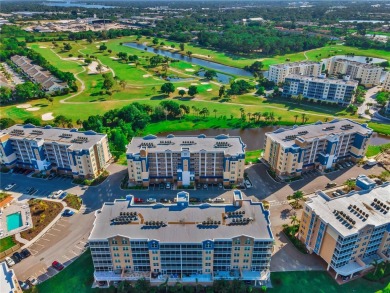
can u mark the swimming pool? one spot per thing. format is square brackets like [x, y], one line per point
[14, 221]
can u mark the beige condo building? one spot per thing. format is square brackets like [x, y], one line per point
[277, 73]
[349, 232]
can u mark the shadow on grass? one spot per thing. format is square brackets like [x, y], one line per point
[159, 97]
[184, 99]
[41, 105]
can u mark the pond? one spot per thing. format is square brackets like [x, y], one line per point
[254, 137]
[197, 61]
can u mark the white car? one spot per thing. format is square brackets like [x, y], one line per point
[57, 194]
[151, 200]
[32, 281]
[10, 186]
[219, 199]
[10, 261]
[248, 184]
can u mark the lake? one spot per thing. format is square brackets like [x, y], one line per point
[197, 61]
[254, 137]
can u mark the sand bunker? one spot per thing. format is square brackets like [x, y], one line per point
[42, 47]
[204, 83]
[92, 68]
[23, 106]
[202, 56]
[182, 88]
[209, 90]
[47, 116]
[33, 109]
[146, 75]
[190, 70]
[114, 58]
[131, 64]
[194, 83]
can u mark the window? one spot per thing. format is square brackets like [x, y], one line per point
[115, 248]
[237, 248]
[235, 260]
[155, 257]
[246, 254]
[155, 264]
[124, 241]
[125, 248]
[237, 241]
[114, 241]
[127, 261]
[247, 248]
[126, 254]
[208, 252]
[236, 254]
[208, 258]
[154, 252]
[117, 260]
[208, 264]
[116, 254]
[247, 241]
[207, 270]
[246, 260]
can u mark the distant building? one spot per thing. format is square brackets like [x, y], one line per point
[8, 281]
[38, 75]
[182, 242]
[348, 232]
[320, 89]
[186, 159]
[289, 152]
[368, 74]
[386, 82]
[277, 73]
[82, 154]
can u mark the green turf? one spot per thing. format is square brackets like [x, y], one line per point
[373, 150]
[380, 128]
[6, 243]
[320, 282]
[252, 156]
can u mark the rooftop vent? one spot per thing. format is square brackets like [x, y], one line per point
[165, 142]
[66, 135]
[328, 128]
[346, 127]
[17, 132]
[37, 132]
[222, 144]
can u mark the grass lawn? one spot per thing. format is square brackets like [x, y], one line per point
[373, 150]
[73, 201]
[380, 128]
[320, 282]
[252, 156]
[6, 243]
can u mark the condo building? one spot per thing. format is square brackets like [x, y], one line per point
[289, 152]
[8, 281]
[386, 82]
[82, 154]
[186, 159]
[368, 74]
[348, 232]
[277, 73]
[340, 91]
[182, 242]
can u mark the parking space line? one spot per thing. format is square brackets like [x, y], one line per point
[55, 229]
[39, 243]
[47, 233]
[44, 239]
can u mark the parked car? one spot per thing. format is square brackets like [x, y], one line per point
[352, 179]
[378, 181]
[161, 185]
[17, 257]
[63, 195]
[220, 185]
[331, 184]
[247, 183]
[335, 194]
[168, 186]
[56, 194]
[219, 199]
[164, 200]
[138, 200]
[10, 186]
[151, 200]
[51, 176]
[205, 186]
[68, 213]
[32, 281]
[24, 285]
[194, 199]
[340, 191]
[10, 262]
[25, 253]
[371, 162]
[198, 186]
[57, 265]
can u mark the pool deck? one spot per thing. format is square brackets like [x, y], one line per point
[12, 208]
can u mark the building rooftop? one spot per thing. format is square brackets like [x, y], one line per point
[65, 136]
[323, 79]
[7, 284]
[287, 137]
[357, 63]
[292, 64]
[232, 145]
[352, 212]
[180, 222]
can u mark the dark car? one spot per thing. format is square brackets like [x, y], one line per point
[17, 257]
[194, 199]
[58, 266]
[378, 181]
[25, 253]
[68, 213]
[63, 195]
[164, 200]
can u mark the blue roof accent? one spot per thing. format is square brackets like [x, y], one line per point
[48, 127]
[222, 136]
[170, 136]
[279, 130]
[150, 136]
[90, 132]
[201, 136]
[29, 125]
[74, 130]
[318, 122]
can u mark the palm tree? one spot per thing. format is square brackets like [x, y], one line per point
[326, 119]
[375, 263]
[351, 184]
[123, 84]
[79, 122]
[242, 111]
[249, 116]
[297, 195]
[303, 115]
[306, 119]
[296, 117]
[279, 118]
[215, 112]
[294, 220]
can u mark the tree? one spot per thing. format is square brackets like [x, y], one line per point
[303, 115]
[79, 122]
[109, 51]
[5, 94]
[260, 90]
[215, 112]
[108, 83]
[6, 122]
[181, 46]
[255, 68]
[50, 99]
[67, 47]
[182, 92]
[123, 84]
[192, 90]
[221, 91]
[61, 120]
[26, 91]
[350, 184]
[189, 53]
[294, 220]
[32, 120]
[99, 68]
[240, 87]
[155, 60]
[155, 41]
[296, 117]
[167, 88]
[210, 74]
[103, 48]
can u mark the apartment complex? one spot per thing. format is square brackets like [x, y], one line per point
[38, 75]
[83, 154]
[348, 232]
[386, 82]
[182, 242]
[368, 74]
[8, 281]
[289, 152]
[186, 159]
[278, 72]
[340, 91]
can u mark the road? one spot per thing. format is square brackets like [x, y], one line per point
[369, 98]
[67, 238]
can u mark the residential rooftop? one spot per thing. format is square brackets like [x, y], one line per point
[7, 284]
[293, 64]
[179, 222]
[350, 213]
[323, 79]
[65, 136]
[232, 145]
[319, 130]
[357, 63]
